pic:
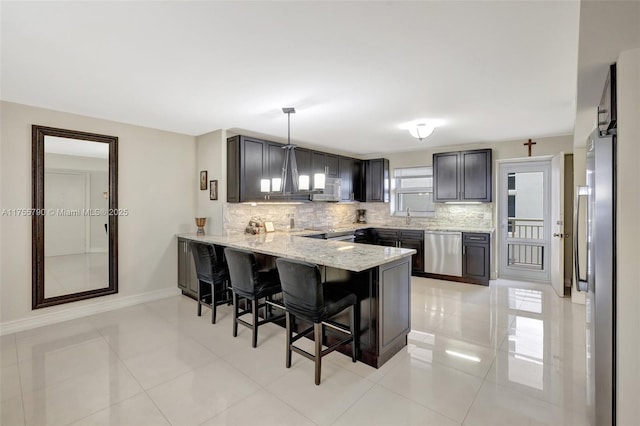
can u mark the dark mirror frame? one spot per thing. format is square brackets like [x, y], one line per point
[38, 134]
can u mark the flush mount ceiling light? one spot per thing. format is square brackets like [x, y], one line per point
[422, 128]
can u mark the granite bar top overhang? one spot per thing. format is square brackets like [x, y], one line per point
[336, 254]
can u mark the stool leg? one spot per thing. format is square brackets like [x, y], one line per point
[235, 315]
[318, 335]
[213, 304]
[254, 310]
[289, 337]
[355, 330]
[199, 298]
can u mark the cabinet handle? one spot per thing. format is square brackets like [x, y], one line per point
[464, 250]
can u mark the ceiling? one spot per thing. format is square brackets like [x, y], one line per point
[355, 71]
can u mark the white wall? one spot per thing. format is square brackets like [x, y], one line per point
[628, 235]
[211, 152]
[157, 169]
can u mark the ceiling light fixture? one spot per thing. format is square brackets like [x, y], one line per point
[421, 131]
[422, 128]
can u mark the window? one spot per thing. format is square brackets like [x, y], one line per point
[414, 190]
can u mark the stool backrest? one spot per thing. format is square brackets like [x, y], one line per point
[208, 261]
[243, 269]
[301, 288]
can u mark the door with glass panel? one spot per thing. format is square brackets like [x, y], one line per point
[524, 219]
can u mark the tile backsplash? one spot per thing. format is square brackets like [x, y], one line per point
[334, 215]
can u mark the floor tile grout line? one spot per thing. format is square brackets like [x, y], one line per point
[484, 380]
[417, 402]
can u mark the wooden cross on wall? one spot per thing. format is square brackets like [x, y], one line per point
[528, 144]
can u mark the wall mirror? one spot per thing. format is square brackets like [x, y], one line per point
[75, 216]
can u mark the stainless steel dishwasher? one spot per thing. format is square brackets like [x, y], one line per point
[443, 253]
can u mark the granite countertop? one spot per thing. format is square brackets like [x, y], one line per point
[336, 254]
[355, 226]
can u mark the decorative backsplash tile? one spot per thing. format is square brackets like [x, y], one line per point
[335, 215]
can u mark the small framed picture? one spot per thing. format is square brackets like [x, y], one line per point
[203, 180]
[268, 227]
[213, 190]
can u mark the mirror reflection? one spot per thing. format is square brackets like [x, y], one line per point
[75, 219]
[76, 194]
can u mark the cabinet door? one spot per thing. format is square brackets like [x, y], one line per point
[331, 161]
[387, 242]
[476, 175]
[252, 169]
[318, 166]
[193, 276]
[345, 165]
[417, 260]
[358, 180]
[446, 174]
[275, 161]
[233, 169]
[475, 261]
[303, 160]
[377, 180]
[183, 265]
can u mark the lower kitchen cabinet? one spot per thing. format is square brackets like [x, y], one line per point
[476, 257]
[403, 238]
[187, 278]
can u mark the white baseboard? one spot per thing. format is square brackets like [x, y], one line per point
[85, 310]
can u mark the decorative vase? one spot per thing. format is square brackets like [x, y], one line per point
[200, 221]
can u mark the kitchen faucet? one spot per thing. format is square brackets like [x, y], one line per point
[408, 219]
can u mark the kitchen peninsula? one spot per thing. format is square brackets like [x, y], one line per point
[380, 276]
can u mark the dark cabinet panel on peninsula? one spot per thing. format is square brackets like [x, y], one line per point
[187, 277]
[462, 176]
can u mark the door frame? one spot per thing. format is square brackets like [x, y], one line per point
[540, 163]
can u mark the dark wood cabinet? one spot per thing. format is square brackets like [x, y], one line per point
[275, 159]
[476, 257]
[303, 161]
[403, 238]
[376, 181]
[247, 161]
[187, 278]
[250, 160]
[349, 174]
[462, 176]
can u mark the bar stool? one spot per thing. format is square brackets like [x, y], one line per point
[213, 276]
[307, 298]
[249, 283]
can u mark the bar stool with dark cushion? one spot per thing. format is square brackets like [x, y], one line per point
[306, 297]
[253, 285]
[213, 276]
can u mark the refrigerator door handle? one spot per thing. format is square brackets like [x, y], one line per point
[581, 191]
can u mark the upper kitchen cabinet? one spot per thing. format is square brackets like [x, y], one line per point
[350, 176]
[462, 176]
[376, 181]
[246, 160]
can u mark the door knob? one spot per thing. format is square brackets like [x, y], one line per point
[559, 235]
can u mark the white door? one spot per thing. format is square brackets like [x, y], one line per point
[524, 220]
[557, 223]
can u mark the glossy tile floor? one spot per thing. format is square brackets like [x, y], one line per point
[509, 354]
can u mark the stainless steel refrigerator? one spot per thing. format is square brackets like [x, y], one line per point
[600, 283]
